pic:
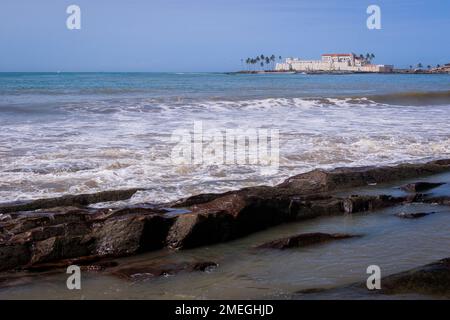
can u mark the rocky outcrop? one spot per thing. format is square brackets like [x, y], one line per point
[51, 230]
[444, 200]
[355, 203]
[145, 271]
[305, 240]
[432, 279]
[413, 215]
[228, 217]
[69, 200]
[89, 263]
[420, 186]
[31, 239]
[342, 178]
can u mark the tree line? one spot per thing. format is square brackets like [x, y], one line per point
[258, 62]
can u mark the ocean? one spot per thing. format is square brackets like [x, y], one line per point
[70, 133]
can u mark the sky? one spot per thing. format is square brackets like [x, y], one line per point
[214, 35]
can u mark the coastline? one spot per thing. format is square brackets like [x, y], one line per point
[338, 72]
[64, 231]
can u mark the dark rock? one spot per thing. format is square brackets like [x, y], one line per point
[125, 235]
[57, 248]
[88, 263]
[355, 203]
[420, 186]
[444, 200]
[432, 279]
[51, 230]
[304, 240]
[342, 178]
[13, 255]
[226, 218]
[69, 200]
[311, 291]
[50, 236]
[414, 215]
[142, 272]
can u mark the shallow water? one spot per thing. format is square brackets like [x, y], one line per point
[392, 243]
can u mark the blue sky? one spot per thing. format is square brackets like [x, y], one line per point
[213, 35]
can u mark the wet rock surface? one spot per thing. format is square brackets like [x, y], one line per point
[69, 200]
[413, 215]
[45, 236]
[305, 240]
[145, 271]
[42, 232]
[432, 280]
[420, 186]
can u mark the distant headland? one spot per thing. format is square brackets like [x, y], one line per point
[332, 63]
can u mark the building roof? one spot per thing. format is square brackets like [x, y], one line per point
[337, 54]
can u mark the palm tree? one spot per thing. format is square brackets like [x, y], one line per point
[428, 67]
[262, 57]
[410, 67]
[248, 61]
[438, 66]
[372, 56]
[272, 59]
[419, 65]
[262, 65]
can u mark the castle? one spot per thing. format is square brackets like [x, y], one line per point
[348, 62]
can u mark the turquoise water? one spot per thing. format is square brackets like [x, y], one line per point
[86, 132]
[35, 87]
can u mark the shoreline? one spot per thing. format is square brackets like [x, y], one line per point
[35, 238]
[337, 72]
[114, 242]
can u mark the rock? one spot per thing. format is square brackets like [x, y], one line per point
[88, 263]
[57, 248]
[50, 230]
[420, 186]
[355, 203]
[414, 215]
[342, 178]
[69, 200]
[50, 236]
[124, 235]
[235, 214]
[13, 255]
[444, 200]
[143, 272]
[432, 279]
[304, 240]
[226, 218]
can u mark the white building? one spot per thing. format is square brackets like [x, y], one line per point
[333, 62]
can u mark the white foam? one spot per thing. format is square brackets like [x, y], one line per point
[122, 144]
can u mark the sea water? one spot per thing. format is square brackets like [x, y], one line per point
[69, 133]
